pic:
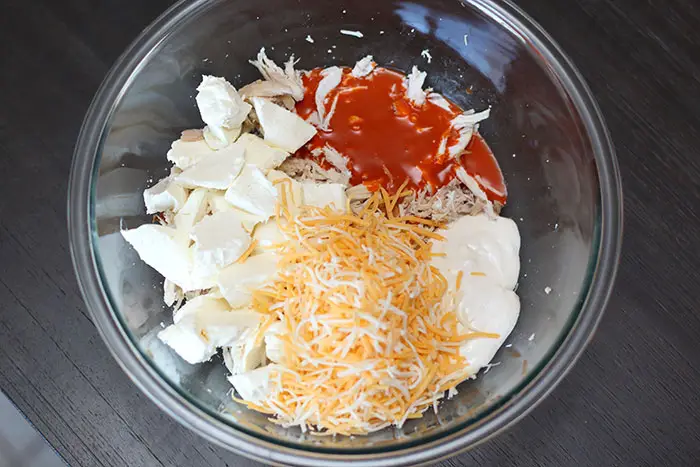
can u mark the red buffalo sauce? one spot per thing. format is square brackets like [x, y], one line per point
[387, 139]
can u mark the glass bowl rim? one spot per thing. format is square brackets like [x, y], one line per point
[522, 399]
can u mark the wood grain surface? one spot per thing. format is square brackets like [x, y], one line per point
[633, 399]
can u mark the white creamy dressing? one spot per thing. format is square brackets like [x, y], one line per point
[485, 250]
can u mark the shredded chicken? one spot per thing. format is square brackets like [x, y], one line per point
[497, 206]
[363, 67]
[251, 124]
[414, 86]
[285, 101]
[277, 82]
[164, 218]
[331, 79]
[192, 135]
[308, 170]
[440, 101]
[466, 123]
[450, 202]
[334, 158]
[196, 293]
[357, 195]
[263, 88]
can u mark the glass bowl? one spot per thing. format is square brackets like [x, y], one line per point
[545, 129]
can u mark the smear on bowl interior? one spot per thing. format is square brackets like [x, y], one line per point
[335, 235]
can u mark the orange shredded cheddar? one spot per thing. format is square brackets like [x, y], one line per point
[248, 251]
[369, 341]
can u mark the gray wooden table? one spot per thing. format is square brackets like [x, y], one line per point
[631, 400]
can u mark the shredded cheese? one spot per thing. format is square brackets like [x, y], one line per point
[370, 337]
[248, 251]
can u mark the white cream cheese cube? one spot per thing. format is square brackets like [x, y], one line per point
[184, 154]
[222, 138]
[254, 385]
[219, 240]
[217, 171]
[274, 345]
[166, 195]
[268, 237]
[218, 203]
[281, 127]
[246, 354]
[253, 192]
[325, 194]
[220, 105]
[187, 343]
[202, 325]
[261, 154]
[237, 281]
[171, 293]
[203, 273]
[192, 211]
[159, 247]
[221, 325]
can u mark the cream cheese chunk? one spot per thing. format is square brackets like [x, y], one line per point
[219, 240]
[218, 203]
[221, 139]
[325, 194]
[274, 345]
[191, 212]
[246, 354]
[184, 153]
[237, 281]
[260, 154]
[253, 385]
[267, 237]
[217, 171]
[282, 128]
[252, 192]
[159, 247]
[166, 195]
[220, 106]
[204, 324]
[171, 293]
[172, 245]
